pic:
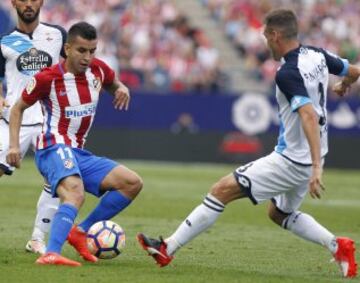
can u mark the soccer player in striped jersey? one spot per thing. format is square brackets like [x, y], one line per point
[30, 47]
[69, 93]
[295, 167]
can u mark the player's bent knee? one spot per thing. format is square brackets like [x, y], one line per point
[72, 192]
[131, 187]
[275, 215]
[226, 190]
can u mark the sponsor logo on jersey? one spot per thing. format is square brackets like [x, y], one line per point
[80, 111]
[31, 86]
[33, 60]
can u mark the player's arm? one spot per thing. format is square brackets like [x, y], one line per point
[310, 124]
[14, 154]
[121, 94]
[340, 88]
[292, 85]
[341, 67]
[37, 88]
[3, 103]
[114, 86]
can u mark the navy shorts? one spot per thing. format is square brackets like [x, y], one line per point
[60, 161]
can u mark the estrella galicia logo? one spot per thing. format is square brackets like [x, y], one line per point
[33, 60]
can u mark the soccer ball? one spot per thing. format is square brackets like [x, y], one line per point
[105, 239]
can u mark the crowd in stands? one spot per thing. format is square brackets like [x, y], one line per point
[154, 46]
[331, 24]
[150, 43]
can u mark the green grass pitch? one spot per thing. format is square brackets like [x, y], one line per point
[243, 246]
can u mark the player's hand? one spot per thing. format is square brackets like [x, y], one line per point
[122, 98]
[340, 88]
[13, 157]
[3, 105]
[315, 185]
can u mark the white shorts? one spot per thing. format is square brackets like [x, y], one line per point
[28, 137]
[277, 178]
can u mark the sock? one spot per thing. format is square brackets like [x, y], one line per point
[46, 208]
[306, 227]
[110, 204]
[61, 226]
[201, 218]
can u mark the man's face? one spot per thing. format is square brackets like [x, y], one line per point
[80, 53]
[272, 40]
[27, 10]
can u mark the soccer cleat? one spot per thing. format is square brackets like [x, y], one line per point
[155, 248]
[36, 246]
[56, 259]
[345, 256]
[77, 239]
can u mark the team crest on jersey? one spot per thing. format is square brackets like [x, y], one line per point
[68, 163]
[97, 83]
[31, 86]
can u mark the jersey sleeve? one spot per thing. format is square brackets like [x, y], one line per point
[64, 37]
[37, 88]
[108, 74]
[336, 65]
[291, 84]
[2, 65]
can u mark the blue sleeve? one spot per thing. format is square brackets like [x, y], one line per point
[336, 65]
[291, 84]
[2, 65]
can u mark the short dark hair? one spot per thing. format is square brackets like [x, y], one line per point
[284, 20]
[82, 29]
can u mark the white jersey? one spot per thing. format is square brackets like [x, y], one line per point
[23, 55]
[303, 78]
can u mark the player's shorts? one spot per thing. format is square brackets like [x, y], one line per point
[277, 178]
[27, 136]
[60, 161]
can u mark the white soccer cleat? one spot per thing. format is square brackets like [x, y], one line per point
[36, 246]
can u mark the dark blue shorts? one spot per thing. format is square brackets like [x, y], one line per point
[60, 161]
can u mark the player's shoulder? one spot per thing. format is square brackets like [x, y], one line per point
[5, 36]
[52, 27]
[47, 74]
[96, 62]
[287, 71]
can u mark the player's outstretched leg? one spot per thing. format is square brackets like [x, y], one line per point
[200, 219]
[56, 259]
[77, 238]
[307, 228]
[46, 208]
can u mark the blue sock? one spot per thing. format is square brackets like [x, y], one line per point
[110, 204]
[61, 226]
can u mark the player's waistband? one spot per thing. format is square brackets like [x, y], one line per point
[22, 125]
[299, 163]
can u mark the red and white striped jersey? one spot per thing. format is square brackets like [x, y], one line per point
[68, 101]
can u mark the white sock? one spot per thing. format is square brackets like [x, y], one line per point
[306, 227]
[46, 208]
[201, 218]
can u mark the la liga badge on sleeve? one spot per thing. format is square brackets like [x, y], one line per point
[30, 86]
